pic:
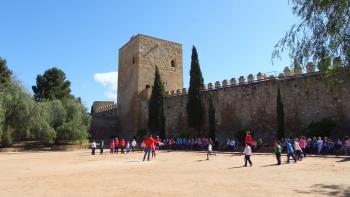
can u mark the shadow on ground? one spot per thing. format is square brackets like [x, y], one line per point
[344, 159]
[327, 190]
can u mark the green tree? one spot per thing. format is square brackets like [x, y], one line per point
[195, 107]
[280, 115]
[156, 118]
[211, 119]
[17, 105]
[5, 72]
[323, 32]
[52, 85]
[76, 125]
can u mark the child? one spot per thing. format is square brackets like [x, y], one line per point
[247, 153]
[297, 149]
[122, 145]
[93, 147]
[290, 151]
[278, 151]
[116, 145]
[102, 146]
[133, 145]
[111, 146]
[210, 149]
[128, 147]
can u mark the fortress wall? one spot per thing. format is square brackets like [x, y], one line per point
[252, 105]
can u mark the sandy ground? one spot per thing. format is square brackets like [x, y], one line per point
[78, 173]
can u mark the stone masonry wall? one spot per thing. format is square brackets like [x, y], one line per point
[137, 61]
[252, 104]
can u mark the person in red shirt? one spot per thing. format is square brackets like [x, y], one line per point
[116, 145]
[155, 146]
[149, 142]
[248, 139]
[122, 145]
[111, 146]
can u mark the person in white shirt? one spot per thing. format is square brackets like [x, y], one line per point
[232, 145]
[247, 153]
[319, 145]
[93, 147]
[133, 145]
[297, 149]
[210, 149]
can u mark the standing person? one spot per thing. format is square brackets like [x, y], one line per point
[111, 147]
[290, 151]
[93, 147]
[278, 152]
[247, 153]
[259, 145]
[128, 147]
[133, 145]
[303, 144]
[319, 145]
[210, 149]
[116, 145]
[102, 146]
[122, 145]
[232, 144]
[347, 145]
[248, 139]
[297, 149]
[148, 143]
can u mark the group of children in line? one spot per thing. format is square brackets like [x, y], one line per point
[295, 149]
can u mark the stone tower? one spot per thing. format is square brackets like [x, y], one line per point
[137, 61]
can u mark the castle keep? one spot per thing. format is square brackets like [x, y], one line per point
[246, 103]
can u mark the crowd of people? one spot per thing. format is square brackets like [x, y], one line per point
[296, 149]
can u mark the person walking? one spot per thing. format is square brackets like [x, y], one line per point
[116, 145]
[93, 147]
[278, 152]
[149, 141]
[133, 145]
[102, 146]
[290, 151]
[210, 149]
[111, 147]
[247, 153]
[122, 145]
[298, 150]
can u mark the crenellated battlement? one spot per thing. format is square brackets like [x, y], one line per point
[106, 108]
[258, 78]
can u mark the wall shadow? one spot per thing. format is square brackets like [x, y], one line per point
[327, 190]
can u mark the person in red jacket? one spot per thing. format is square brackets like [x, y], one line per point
[122, 145]
[111, 146]
[149, 141]
[248, 138]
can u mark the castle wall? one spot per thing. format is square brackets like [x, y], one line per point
[253, 105]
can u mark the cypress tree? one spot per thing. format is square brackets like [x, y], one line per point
[211, 118]
[195, 108]
[280, 115]
[156, 118]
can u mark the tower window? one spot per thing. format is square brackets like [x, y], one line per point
[173, 63]
[133, 60]
[147, 86]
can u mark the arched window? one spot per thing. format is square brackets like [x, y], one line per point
[173, 63]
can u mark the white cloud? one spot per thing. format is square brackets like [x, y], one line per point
[110, 81]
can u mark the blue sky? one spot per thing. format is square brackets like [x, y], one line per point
[82, 37]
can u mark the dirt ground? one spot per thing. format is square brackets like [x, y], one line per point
[78, 173]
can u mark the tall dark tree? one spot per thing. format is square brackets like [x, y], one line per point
[156, 118]
[322, 33]
[280, 115]
[211, 118]
[195, 107]
[52, 85]
[5, 72]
